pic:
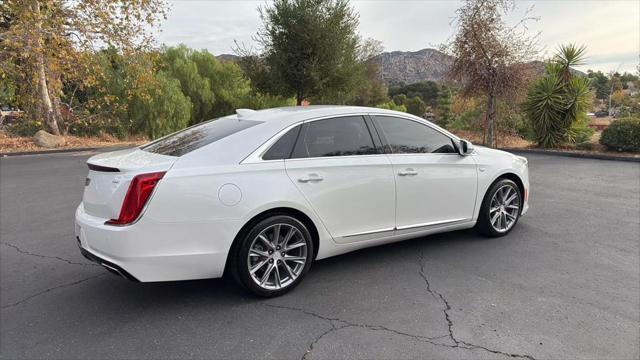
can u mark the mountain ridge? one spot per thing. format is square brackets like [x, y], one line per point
[408, 67]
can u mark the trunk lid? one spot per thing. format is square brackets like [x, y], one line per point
[110, 175]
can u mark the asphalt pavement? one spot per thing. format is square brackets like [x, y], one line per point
[564, 284]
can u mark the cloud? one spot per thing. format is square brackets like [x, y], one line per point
[610, 29]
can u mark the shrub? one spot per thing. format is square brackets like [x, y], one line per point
[416, 106]
[556, 101]
[622, 135]
[468, 120]
[25, 127]
[585, 146]
[390, 105]
[579, 131]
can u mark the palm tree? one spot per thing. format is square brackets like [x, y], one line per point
[557, 100]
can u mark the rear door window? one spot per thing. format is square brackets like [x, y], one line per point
[341, 136]
[199, 135]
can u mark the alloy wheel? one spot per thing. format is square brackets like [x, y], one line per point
[277, 256]
[504, 208]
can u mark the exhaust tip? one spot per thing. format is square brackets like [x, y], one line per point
[112, 270]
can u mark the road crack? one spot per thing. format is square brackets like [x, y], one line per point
[347, 324]
[447, 307]
[307, 354]
[49, 290]
[24, 252]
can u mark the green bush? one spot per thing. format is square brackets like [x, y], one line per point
[556, 101]
[622, 135]
[579, 131]
[416, 106]
[468, 120]
[85, 126]
[585, 146]
[24, 127]
[390, 105]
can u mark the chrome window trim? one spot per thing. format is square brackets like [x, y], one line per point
[256, 155]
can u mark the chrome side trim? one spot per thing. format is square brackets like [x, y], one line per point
[369, 232]
[431, 223]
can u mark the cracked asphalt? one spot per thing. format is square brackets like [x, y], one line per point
[564, 284]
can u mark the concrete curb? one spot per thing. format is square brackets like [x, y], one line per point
[62, 151]
[574, 154]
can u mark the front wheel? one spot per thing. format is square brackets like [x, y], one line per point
[500, 209]
[274, 256]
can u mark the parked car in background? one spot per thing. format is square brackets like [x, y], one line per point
[262, 194]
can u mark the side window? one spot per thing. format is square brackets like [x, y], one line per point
[340, 136]
[406, 136]
[284, 146]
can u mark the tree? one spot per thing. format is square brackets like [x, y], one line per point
[166, 112]
[618, 98]
[390, 105]
[47, 41]
[443, 109]
[178, 64]
[557, 102]
[599, 83]
[489, 56]
[416, 106]
[399, 99]
[214, 88]
[426, 90]
[309, 48]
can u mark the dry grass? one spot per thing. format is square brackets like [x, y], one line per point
[502, 141]
[9, 143]
[516, 142]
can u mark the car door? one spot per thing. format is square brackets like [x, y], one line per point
[435, 186]
[345, 177]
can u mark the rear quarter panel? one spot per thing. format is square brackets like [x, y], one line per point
[187, 208]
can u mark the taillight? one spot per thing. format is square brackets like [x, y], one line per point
[137, 196]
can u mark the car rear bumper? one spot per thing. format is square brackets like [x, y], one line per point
[149, 251]
[111, 267]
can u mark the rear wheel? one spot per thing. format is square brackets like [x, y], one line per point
[274, 256]
[500, 209]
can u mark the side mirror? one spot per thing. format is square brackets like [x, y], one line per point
[465, 147]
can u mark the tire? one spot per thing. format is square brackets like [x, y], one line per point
[509, 212]
[264, 266]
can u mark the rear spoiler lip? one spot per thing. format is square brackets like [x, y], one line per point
[100, 168]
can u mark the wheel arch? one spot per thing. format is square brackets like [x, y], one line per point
[511, 176]
[295, 213]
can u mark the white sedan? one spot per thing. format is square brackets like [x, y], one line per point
[261, 194]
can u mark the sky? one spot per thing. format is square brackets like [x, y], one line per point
[610, 29]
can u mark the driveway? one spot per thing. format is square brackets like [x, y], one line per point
[564, 284]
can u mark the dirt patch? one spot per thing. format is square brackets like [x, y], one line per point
[10, 144]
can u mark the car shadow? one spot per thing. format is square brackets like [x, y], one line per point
[224, 292]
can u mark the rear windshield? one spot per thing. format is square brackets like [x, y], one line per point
[197, 136]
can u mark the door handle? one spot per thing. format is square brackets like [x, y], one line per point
[408, 172]
[310, 178]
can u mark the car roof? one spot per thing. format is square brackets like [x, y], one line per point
[236, 147]
[294, 114]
